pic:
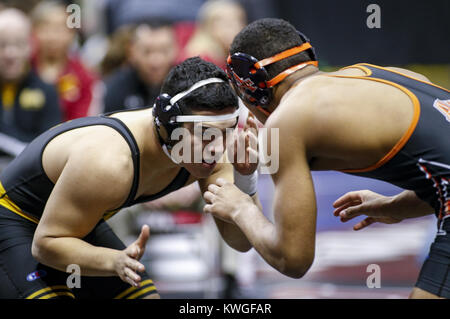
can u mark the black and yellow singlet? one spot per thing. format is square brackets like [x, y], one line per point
[25, 188]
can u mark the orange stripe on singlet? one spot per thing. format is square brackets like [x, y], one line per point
[359, 66]
[398, 146]
[408, 76]
[369, 72]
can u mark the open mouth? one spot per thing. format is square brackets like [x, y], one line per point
[208, 164]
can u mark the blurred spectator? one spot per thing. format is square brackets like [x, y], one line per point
[23, 5]
[28, 106]
[218, 21]
[119, 12]
[55, 62]
[116, 55]
[258, 9]
[151, 54]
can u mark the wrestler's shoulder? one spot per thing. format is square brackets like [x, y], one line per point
[409, 73]
[102, 141]
[300, 104]
[104, 177]
[107, 159]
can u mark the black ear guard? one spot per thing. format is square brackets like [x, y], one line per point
[251, 80]
[164, 114]
[168, 115]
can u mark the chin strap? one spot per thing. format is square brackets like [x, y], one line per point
[166, 151]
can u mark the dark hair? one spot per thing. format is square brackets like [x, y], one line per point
[265, 38]
[214, 96]
[154, 24]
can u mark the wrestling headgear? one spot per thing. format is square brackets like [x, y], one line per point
[251, 80]
[169, 115]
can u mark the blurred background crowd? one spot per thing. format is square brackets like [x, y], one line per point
[56, 66]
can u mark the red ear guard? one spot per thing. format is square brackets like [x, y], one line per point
[251, 80]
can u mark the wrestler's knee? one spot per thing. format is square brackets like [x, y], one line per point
[418, 293]
[153, 296]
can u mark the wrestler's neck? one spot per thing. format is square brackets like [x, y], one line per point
[282, 89]
[153, 152]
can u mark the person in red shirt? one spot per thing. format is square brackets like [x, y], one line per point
[55, 62]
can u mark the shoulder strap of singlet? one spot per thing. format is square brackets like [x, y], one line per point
[370, 69]
[178, 182]
[128, 136]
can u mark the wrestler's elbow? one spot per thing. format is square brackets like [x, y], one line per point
[39, 248]
[242, 245]
[296, 264]
[295, 269]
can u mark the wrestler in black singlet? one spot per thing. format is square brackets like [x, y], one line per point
[24, 191]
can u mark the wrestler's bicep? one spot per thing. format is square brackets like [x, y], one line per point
[86, 189]
[294, 199]
[295, 204]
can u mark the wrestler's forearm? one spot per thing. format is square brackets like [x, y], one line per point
[257, 202]
[264, 237]
[233, 236]
[61, 252]
[259, 231]
[407, 205]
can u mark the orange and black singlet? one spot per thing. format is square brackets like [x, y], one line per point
[420, 161]
[25, 188]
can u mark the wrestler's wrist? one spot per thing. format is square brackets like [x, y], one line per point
[246, 183]
[243, 211]
[396, 207]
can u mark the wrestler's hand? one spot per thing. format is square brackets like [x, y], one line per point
[224, 200]
[127, 264]
[377, 207]
[245, 163]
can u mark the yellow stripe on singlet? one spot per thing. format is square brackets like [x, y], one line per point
[132, 289]
[49, 290]
[57, 294]
[110, 214]
[141, 292]
[6, 202]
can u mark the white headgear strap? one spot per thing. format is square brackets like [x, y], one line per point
[201, 118]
